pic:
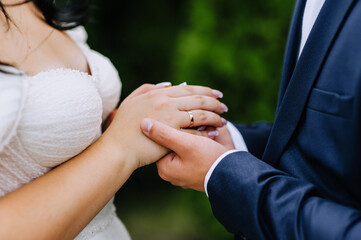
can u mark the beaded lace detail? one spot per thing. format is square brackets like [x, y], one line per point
[99, 223]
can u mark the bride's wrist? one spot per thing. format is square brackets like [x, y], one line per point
[118, 152]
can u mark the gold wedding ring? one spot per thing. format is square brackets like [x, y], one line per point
[191, 118]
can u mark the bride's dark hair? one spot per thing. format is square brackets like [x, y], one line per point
[62, 16]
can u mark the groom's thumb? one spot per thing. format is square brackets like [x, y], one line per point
[164, 135]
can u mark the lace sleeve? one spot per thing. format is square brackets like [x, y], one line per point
[12, 97]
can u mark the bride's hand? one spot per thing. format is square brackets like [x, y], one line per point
[144, 89]
[168, 105]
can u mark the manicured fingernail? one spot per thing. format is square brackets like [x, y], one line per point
[224, 121]
[224, 107]
[146, 125]
[213, 133]
[183, 84]
[217, 94]
[164, 84]
[202, 128]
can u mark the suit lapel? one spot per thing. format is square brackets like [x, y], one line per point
[304, 75]
[293, 43]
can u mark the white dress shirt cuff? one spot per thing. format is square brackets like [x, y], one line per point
[237, 138]
[239, 145]
[214, 165]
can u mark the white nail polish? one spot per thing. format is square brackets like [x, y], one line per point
[224, 121]
[150, 125]
[183, 84]
[164, 84]
[224, 107]
[213, 133]
[201, 128]
[217, 94]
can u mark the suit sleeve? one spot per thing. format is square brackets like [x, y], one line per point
[255, 136]
[253, 199]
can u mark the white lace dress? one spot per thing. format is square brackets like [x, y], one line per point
[51, 117]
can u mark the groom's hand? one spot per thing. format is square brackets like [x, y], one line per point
[192, 155]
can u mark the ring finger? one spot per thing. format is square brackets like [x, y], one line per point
[200, 118]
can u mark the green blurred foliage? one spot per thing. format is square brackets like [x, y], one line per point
[235, 46]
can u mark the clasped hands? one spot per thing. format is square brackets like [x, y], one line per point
[163, 113]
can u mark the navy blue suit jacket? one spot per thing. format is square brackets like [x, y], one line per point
[301, 178]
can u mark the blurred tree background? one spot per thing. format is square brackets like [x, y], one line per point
[235, 46]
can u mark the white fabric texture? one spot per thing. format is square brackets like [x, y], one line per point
[312, 10]
[237, 138]
[51, 117]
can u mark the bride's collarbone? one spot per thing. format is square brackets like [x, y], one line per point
[38, 53]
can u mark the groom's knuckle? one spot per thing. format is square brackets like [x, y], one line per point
[164, 172]
[182, 184]
[160, 168]
[161, 174]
